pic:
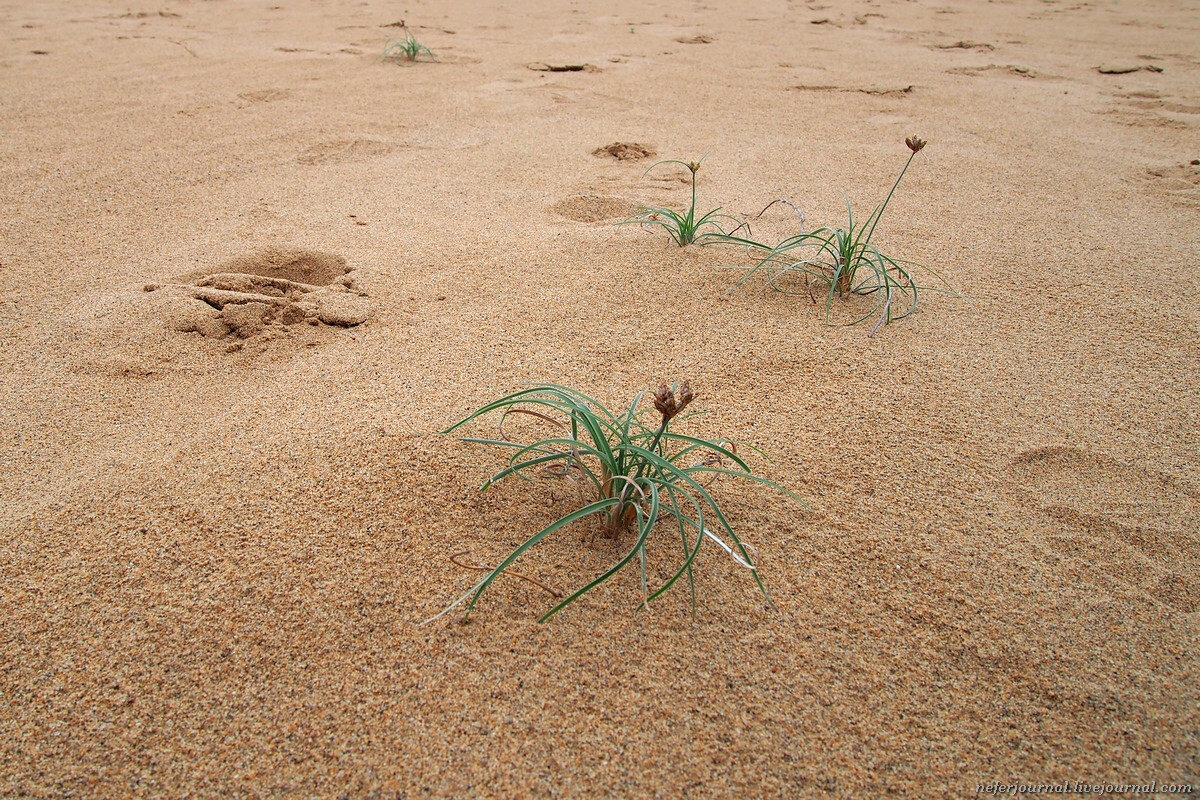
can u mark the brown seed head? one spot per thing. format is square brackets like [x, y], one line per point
[694, 166]
[666, 404]
[664, 401]
[914, 143]
[685, 397]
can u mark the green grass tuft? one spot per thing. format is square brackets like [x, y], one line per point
[408, 48]
[640, 471]
[847, 263]
[684, 229]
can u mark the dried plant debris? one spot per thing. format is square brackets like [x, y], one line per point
[899, 91]
[541, 66]
[1125, 69]
[965, 44]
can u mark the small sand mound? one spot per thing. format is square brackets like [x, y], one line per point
[302, 266]
[625, 151]
[246, 295]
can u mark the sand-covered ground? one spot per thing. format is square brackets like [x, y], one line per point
[221, 528]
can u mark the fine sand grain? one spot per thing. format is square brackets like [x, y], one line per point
[248, 270]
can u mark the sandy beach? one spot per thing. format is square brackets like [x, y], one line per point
[249, 270]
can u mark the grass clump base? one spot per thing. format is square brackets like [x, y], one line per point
[639, 472]
[844, 262]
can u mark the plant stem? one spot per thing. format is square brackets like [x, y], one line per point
[654, 443]
[692, 210]
[879, 213]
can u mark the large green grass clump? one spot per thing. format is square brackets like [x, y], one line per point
[638, 470]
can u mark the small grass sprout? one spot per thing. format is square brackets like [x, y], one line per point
[634, 472]
[684, 229]
[407, 48]
[847, 263]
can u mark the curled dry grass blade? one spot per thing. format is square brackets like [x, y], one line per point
[408, 48]
[640, 472]
[686, 228]
[845, 262]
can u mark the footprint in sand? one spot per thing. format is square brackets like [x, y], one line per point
[247, 295]
[1180, 181]
[1138, 526]
[1147, 108]
[341, 151]
[264, 96]
[562, 93]
[280, 295]
[593, 208]
[447, 137]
